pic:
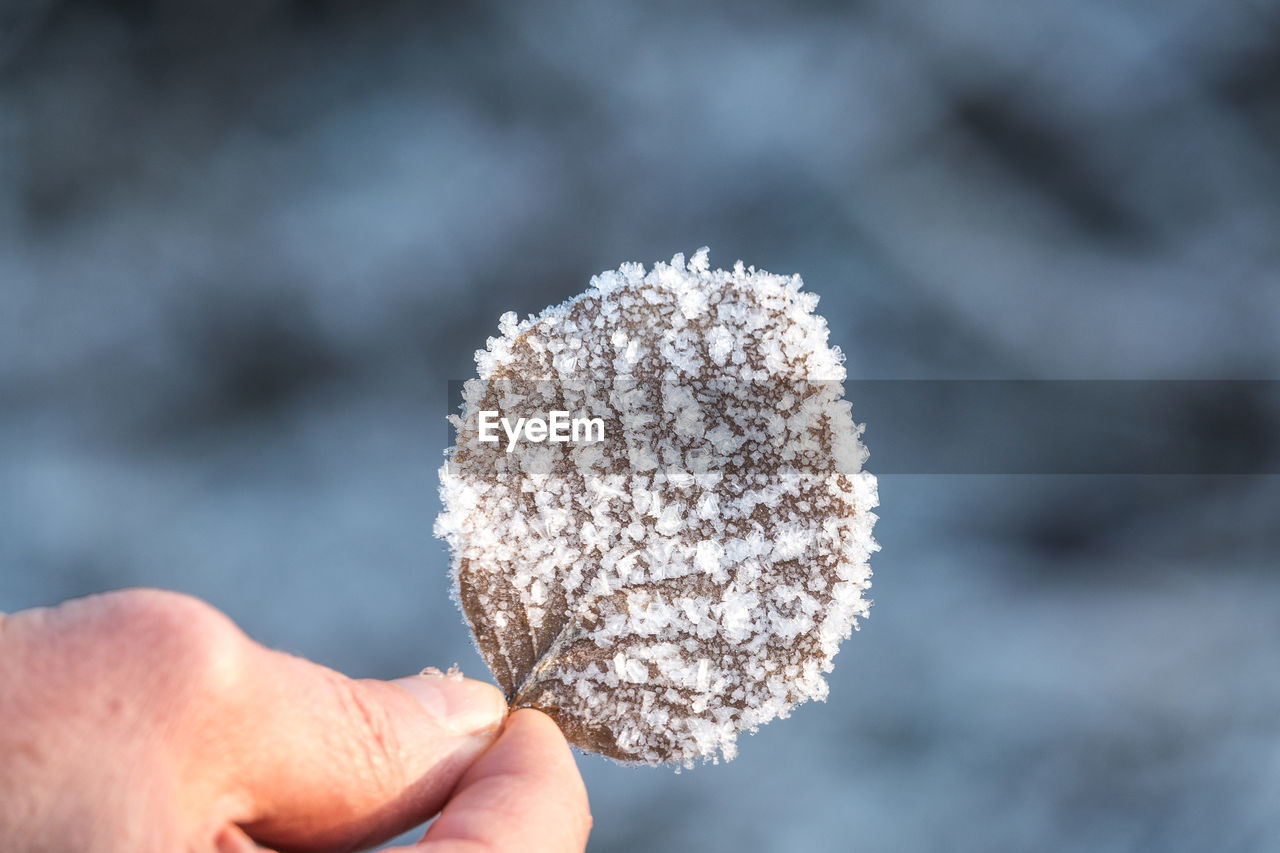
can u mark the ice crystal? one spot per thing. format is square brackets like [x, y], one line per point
[692, 574]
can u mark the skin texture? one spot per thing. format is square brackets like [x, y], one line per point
[147, 721]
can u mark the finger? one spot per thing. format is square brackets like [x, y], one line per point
[232, 839]
[323, 761]
[295, 753]
[524, 794]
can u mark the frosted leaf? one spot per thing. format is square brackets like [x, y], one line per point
[690, 574]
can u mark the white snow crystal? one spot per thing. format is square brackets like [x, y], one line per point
[691, 575]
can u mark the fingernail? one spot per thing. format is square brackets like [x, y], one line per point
[462, 705]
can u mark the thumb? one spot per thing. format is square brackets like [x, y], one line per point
[159, 701]
[459, 705]
[323, 761]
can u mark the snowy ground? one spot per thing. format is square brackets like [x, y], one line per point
[241, 255]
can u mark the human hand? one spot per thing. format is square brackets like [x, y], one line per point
[147, 721]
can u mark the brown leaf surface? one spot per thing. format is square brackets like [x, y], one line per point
[692, 574]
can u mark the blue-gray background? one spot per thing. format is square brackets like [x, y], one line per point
[244, 246]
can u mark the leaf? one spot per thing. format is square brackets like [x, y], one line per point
[692, 573]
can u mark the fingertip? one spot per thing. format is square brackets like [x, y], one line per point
[536, 720]
[554, 751]
[461, 705]
[524, 793]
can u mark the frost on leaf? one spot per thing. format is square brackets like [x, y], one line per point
[691, 574]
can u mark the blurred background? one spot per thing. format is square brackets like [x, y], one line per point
[244, 247]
